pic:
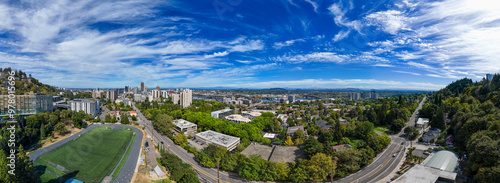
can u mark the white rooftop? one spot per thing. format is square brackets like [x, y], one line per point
[270, 135]
[217, 138]
[422, 121]
[181, 123]
[239, 118]
[252, 113]
[421, 173]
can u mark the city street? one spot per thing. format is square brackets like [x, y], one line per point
[205, 174]
[386, 162]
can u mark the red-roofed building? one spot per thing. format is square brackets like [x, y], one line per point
[132, 113]
[341, 147]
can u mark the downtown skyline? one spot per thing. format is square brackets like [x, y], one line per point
[417, 45]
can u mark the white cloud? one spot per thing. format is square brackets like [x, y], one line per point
[217, 54]
[390, 21]
[341, 35]
[406, 72]
[340, 19]
[313, 4]
[279, 45]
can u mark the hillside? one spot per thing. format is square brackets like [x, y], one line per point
[24, 83]
[473, 109]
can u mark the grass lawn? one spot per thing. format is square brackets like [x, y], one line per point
[115, 174]
[355, 143]
[90, 157]
[383, 129]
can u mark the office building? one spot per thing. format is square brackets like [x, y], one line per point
[28, 104]
[89, 106]
[236, 118]
[136, 90]
[127, 88]
[218, 139]
[158, 88]
[221, 114]
[139, 97]
[291, 99]
[142, 86]
[186, 97]
[187, 127]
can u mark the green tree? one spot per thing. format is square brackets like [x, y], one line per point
[124, 119]
[134, 118]
[107, 118]
[4, 169]
[42, 132]
[25, 172]
[320, 166]
[312, 147]
[288, 141]
[60, 128]
[299, 171]
[164, 123]
[180, 139]
[438, 120]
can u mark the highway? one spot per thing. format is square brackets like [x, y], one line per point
[205, 174]
[386, 161]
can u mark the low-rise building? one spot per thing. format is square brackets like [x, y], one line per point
[187, 127]
[433, 133]
[341, 147]
[218, 139]
[251, 114]
[236, 118]
[221, 114]
[323, 124]
[132, 113]
[422, 122]
[293, 129]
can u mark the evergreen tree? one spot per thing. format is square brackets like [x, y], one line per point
[42, 132]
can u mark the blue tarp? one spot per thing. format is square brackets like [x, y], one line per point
[72, 180]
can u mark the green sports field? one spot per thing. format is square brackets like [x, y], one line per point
[90, 157]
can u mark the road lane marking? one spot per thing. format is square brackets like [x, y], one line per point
[192, 165]
[385, 163]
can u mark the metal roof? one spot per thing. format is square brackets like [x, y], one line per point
[443, 160]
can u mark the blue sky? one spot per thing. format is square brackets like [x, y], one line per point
[400, 44]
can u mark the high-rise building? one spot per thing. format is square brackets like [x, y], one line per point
[374, 95]
[28, 104]
[186, 97]
[112, 94]
[158, 88]
[175, 98]
[155, 94]
[489, 77]
[291, 98]
[142, 86]
[127, 88]
[89, 106]
[136, 90]
[145, 89]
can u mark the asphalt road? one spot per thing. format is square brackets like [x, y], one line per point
[205, 174]
[128, 169]
[388, 160]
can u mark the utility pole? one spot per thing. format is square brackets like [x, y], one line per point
[218, 179]
[331, 175]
